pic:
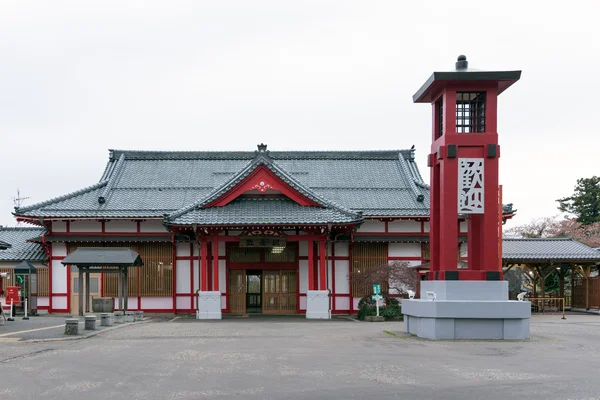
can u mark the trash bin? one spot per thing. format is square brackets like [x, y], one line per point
[103, 304]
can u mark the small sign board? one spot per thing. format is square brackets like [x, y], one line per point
[376, 297]
[376, 288]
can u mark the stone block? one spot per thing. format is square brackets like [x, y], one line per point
[317, 304]
[90, 323]
[209, 305]
[106, 319]
[119, 317]
[129, 316]
[72, 326]
[138, 316]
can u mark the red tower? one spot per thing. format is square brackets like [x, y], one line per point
[464, 168]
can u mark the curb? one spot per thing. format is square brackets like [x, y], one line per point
[85, 336]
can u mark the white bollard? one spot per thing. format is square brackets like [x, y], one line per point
[25, 317]
[11, 309]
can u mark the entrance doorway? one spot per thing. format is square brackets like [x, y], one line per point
[263, 291]
[94, 291]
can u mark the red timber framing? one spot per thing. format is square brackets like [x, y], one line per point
[318, 277]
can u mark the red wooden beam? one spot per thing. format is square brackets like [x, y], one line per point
[322, 266]
[204, 268]
[311, 283]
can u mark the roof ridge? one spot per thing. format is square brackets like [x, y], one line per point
[60, 198]
[19, 228]
[249, 155]
[112, 180]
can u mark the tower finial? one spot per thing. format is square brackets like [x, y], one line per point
[262, 148]
[461, 63]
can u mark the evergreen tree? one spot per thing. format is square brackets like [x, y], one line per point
[584, 203]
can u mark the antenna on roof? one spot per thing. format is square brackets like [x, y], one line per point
[18, 202]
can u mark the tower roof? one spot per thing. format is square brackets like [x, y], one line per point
[462, 72]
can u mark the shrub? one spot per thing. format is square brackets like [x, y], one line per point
[390, 309]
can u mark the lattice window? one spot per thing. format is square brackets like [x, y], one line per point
[365, 258]
[287, 255]
[154, 279]
[439, 108]
[157, 273]
[470, 112]
[244, 254]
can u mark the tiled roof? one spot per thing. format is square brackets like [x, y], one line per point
[152, 184]
[20, 249]
[560, 249]
[263, 211]
[4, 245]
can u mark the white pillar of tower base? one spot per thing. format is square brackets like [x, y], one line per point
[209, 305]
[317, 304]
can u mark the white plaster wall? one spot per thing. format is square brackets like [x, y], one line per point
[303, 271]
[196, 249]
[372, 226]
[404, 226]
[182, 249]
[223, 302]
[222, 282]
[158, 303]
[303, 302]
[404, 249]
[196, 275]
[329, 270]
[132, 303]
[182, 276]
[59, 249]
[152, 226]
[303, 249]
[120, 226]
[59, 279]
[464, 226]
[341, 249]
[59, 303]
[85, 226]
[355, 300]
[183, 303]
[342, 268]
[222, 246]
[426, 226]
[342, 303]
[59, 226]
[43, 301]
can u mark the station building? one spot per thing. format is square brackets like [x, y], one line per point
[262, 227]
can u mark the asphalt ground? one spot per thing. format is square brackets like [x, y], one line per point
[292, 358]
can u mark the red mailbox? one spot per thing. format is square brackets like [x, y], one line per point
[13, 293]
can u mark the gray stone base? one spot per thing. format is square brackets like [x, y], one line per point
[209, 305]
[467, 310]
[317, 304]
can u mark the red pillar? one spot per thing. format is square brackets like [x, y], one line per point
[215, 254]
[204, 266]
[322, 265]
[311, 280]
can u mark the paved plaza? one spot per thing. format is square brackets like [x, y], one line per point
[291, 358]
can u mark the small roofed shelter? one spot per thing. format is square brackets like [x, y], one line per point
[105, 260]
[542, 256]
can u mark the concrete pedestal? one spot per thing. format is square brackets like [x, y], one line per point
[106, 319]
[209, 305]
[129, 316]
[119, 317]
[466, 310]
[138, 316]
[72, 326]
[90, 323]
[317, 304]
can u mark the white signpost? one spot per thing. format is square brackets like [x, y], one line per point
[376, 296]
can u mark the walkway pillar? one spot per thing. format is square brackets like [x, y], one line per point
[209, 301]
[317, 301]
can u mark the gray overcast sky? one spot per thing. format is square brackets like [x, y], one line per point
[80, 77]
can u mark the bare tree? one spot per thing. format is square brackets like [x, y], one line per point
[553, 227]
[395, 277]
